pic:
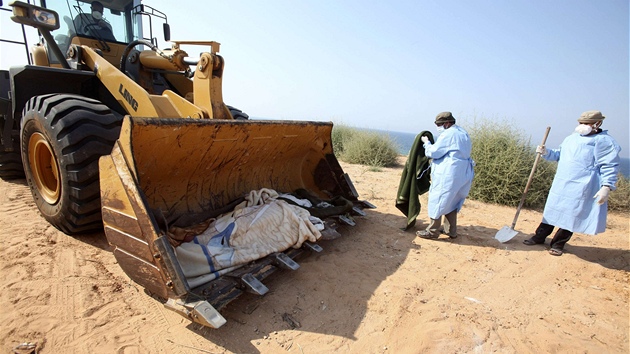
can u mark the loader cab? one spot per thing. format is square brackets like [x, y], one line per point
[120, 23]
[116, 27]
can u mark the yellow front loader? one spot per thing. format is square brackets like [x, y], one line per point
[133, 141]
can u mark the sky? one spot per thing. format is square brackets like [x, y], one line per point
[394, 65]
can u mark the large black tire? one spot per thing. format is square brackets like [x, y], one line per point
[11, 163]
[62, 138]
[237, 113]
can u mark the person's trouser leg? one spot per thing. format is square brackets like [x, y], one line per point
[450, 224]
[542, 232]
[561, 237]
[434, 226]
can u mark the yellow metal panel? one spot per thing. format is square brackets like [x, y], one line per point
[129, 225]
[184, 108]
[124, 147]
[187, 166]
[214, 46]
[130, 95]
[181, 83]
[112, 56]
[207, 83]
[40, 58]
[113, 192]
[164, 106]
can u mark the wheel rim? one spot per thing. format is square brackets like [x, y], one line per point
[44, 168]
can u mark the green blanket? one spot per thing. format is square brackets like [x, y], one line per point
[415, 180]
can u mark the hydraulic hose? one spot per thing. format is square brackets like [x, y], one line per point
[129, 47]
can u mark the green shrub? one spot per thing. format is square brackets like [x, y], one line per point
[619, 200]
[341, 133]
[504, 158]
[363, 147]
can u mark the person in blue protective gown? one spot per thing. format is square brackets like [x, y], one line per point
[588, 167]
[451, 175]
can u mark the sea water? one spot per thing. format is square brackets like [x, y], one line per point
[404, 141]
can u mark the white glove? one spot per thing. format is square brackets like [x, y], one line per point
[602, 195]
[424, 139]
[540, 149]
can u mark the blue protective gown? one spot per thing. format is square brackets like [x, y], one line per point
[451, 171]
[585, 164]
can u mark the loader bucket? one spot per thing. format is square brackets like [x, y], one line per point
[165, 171]
[186, 166]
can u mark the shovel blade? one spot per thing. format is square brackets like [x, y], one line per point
[505, 234]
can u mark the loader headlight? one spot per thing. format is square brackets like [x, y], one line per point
[34, 16]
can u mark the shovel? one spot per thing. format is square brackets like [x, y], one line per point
[507, 233]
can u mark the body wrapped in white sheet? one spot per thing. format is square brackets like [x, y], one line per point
[257, 227]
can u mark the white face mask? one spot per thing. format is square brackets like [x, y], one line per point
[583, 129]
[97, 15]
[440, 130]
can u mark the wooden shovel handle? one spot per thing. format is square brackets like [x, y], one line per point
[529, 180]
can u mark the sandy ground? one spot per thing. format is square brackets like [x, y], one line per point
[375, 290]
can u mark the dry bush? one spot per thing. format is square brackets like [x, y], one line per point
[619, 200]
[504, 158]
[364, 147]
